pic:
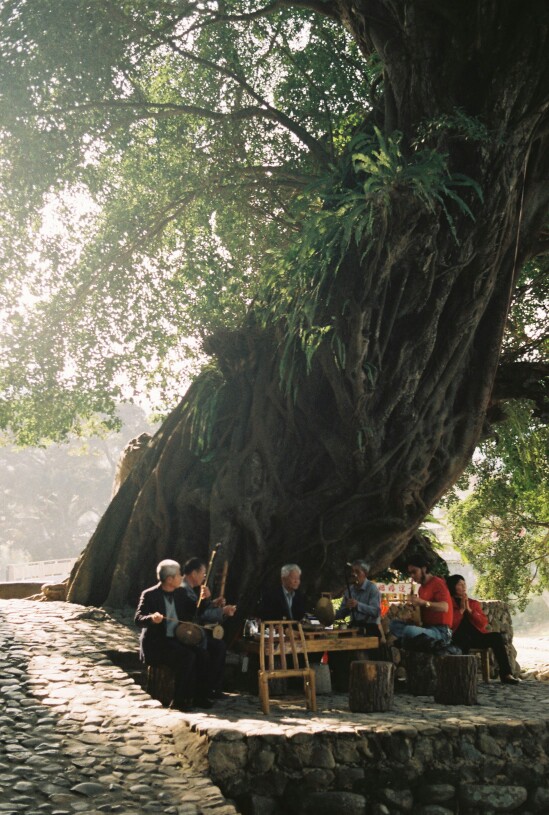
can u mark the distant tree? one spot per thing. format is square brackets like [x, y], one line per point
[53, 497]
[502, 527]
[336, 196]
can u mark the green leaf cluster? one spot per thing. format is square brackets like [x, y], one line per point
[332, 215]
[150, 157]
[502, 526]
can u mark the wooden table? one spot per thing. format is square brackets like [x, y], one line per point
[345, 639]
[318, 641]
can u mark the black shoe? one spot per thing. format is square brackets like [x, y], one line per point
[203, 702]
[510, 680]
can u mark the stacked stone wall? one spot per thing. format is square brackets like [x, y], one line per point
[456, 768]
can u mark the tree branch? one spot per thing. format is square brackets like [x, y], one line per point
[274, 114]
[523, 380]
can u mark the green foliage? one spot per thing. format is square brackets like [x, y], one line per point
[332, 214]
[456, 124]
[502, 527]
[203, 415]
[150, 158]
[166, 166]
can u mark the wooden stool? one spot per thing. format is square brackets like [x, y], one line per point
[456, 680]
[484, 656]
[161, 683]
[371, 686]
[285, 639]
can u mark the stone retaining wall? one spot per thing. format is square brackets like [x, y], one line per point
[457, 768]
[18, 591]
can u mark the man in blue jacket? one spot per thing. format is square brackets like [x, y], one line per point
[362, 601]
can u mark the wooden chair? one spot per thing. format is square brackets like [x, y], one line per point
[284, 639]
[484, 656]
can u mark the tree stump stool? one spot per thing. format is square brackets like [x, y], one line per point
[420, 673]
[161, 683]
[484, 655]
[371, 686]
[456, 682]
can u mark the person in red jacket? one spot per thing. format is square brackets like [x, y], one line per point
[469, 628]
[435, 606]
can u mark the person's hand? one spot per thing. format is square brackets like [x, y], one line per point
[229, 611]
[157, 617]
[416, 601]
[465, 604]
[219, 602]
[205, 593]
[351, 602]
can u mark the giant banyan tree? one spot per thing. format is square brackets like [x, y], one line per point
[350, 395]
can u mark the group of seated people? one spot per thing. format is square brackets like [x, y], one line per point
[176, 598]
[451, 622]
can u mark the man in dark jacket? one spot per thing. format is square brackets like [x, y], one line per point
[285, 602]
[158, 614]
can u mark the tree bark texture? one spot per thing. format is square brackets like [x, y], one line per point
[456, 680]
[354, 463]
[371, 686]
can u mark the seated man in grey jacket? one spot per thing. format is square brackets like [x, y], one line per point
[362, 601]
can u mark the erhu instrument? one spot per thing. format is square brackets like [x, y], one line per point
[209, 570]
[349, 566]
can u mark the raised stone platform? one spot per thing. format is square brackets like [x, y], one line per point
[421, 757]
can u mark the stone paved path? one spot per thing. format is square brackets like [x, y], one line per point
[77, 734]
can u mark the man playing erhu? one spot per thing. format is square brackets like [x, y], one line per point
[207, 611]
[160, 610]
[361, 601]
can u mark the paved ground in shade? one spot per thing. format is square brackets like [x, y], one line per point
[77, 734]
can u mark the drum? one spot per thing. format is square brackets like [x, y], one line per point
[216, 630]
[189, 633]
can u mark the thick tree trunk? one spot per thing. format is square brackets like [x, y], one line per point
[353, 465]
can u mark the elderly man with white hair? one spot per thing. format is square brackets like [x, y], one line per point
[160, 609]
[286, 601]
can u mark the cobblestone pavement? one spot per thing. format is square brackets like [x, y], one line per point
[77, 734]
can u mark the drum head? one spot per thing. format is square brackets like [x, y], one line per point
[189, 633]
